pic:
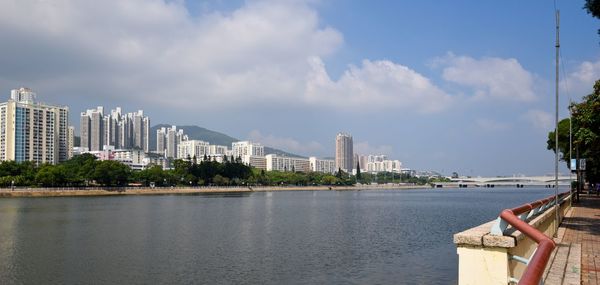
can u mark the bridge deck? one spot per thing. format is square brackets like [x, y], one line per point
[580, 229]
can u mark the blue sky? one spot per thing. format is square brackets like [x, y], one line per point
[462, 86]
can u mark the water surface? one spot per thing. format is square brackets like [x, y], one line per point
[296, 237]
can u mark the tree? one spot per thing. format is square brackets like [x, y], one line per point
[593, 8]
[51, 175]
[220, 180]
[358, 175]
[586, 133]
[563, 141]
[111, 173]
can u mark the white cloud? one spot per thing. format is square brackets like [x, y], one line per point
[156, 52]
[287, 144]
[153, 50]
[491, 125]
[541, 120]
[489, 77]
[375, 85]
[365, 148]
[580, 82]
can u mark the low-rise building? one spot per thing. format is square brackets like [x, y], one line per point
[322, 165]
[285, 163]
[259, 162]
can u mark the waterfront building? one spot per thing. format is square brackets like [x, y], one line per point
[322, 165]
[218, 150]
[394, 166]
[258, 162]
[241, 148]
[136, 159]
[344, 153]
[363, 160]
[32, 131]
[192, 148]
[286, 163]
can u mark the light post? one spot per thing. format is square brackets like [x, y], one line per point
[12, 185]
[571, 150]
[556, 205]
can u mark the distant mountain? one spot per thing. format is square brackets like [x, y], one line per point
[210, 136]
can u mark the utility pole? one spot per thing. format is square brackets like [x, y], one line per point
[556, 207]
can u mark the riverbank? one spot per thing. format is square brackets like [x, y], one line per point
[67, 192]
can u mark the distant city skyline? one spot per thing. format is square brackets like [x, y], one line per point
[445, 86]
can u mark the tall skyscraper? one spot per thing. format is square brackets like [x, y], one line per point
[32, 131]
[91, 129]
[167, 141]
[344, 152]
[70, 141]
[141, 131]
[122, 131]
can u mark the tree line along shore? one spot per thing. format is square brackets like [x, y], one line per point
[87, 171]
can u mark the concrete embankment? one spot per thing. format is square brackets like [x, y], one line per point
[65, 192]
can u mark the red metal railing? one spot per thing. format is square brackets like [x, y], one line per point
[537, 264]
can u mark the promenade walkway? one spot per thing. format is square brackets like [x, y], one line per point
[578, 238]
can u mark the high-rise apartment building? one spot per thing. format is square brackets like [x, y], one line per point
[344, 153]
[92, 129]
[167, 140]
[121, 131]
[70, 141]
[32, 131]
[141, 131]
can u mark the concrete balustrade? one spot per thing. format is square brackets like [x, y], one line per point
[484, 258]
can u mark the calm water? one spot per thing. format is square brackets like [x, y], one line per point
[327, 237]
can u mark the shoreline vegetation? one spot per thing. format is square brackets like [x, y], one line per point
[87, 172]
[125, 191]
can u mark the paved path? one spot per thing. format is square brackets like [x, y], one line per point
[583, 227]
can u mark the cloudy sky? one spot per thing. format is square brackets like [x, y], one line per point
[462, 86]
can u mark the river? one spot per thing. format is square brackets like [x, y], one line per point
[292, 237]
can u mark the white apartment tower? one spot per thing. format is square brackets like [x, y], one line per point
[32, 131]
[92, 126]
[70, 141]
[167, 140]
[242, 148]
[141, 131]
[121, 131]
[344, 153]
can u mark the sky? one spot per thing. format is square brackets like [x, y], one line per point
[465, 86]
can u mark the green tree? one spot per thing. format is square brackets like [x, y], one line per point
[563, 140]
[593, 8]
[111, 173]
[220, 180]
[586, 133]
[51, 175]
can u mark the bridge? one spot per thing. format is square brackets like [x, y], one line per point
[507, 181]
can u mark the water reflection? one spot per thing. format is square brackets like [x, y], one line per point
[304, 237]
